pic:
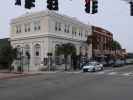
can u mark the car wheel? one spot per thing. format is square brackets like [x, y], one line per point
[84, 70]
[93, 70]
[101, 68]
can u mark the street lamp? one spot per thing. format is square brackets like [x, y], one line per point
[49, 60]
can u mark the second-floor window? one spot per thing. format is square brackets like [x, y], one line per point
[86, 33]
[18, 29]
[67, 28]
[27, 27]
[57, 26]
[37, 26]
[74, 30]
[80, 32]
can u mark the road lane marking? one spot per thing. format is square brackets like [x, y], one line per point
[128, 74]
[100, 72]
[112, 73]
[74, 72]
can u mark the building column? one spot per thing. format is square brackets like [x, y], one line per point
[77, 49]
[32, 56]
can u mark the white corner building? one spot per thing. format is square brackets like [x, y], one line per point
[39, 33]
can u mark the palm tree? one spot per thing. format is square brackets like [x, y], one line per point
[115, 46]
[66, 50]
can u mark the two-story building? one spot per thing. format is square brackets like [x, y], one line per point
[39, 33]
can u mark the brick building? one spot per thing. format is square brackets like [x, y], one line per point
[101, 42]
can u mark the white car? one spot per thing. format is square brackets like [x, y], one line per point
[92, 67]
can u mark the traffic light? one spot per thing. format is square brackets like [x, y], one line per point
[49, 4]
[18, 2]
[87, 6]
[94, 6]
[131, 8]
[52, 4]
[55, 5]
[29, 4]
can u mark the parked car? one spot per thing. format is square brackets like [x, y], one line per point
[92, 67]
[118, 63]
[104, 63]
[82, 64]
[129, 61]
[110, 63]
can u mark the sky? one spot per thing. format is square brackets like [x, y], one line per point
[113, 15]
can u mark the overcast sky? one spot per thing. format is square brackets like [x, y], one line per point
[113, 15]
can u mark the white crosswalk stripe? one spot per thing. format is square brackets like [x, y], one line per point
[128, 74]
[74, 72]
[111, 72]
[104, 72]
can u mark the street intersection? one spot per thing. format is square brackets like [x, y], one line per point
[109, 84]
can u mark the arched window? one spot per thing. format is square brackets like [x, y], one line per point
[27, 51]
[37, 54]
[56, 46]
[27, 48]
[37, 50]
[19, 52]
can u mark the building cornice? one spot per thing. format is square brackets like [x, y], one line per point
[41, 14]
[44, 36]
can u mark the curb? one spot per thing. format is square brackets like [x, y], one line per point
[19, 76]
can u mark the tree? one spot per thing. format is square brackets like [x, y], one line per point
[7, 56]
[66, 49]
[116, 45]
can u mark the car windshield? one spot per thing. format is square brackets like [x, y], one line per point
[92, 63]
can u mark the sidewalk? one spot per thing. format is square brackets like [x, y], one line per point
[9, 75]
[5, 74]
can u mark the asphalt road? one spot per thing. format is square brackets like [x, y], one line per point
[110, 84]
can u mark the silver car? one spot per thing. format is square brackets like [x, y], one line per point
[92, 67]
